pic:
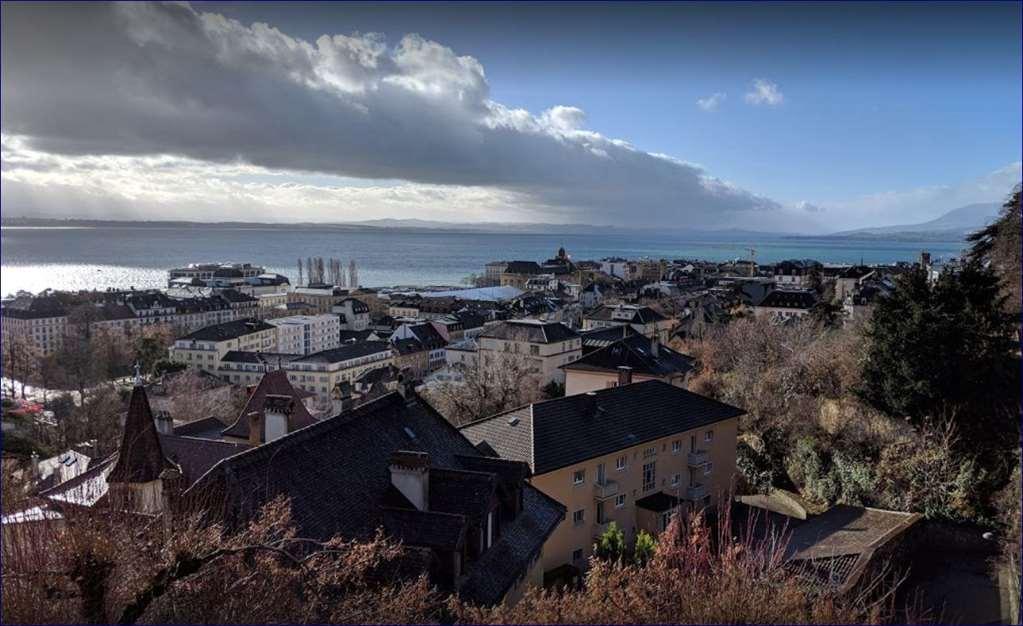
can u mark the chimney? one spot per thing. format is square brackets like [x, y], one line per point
[276, 410]
[164, 423]
[655, 346]
[410, 474]
[624, 375]
[255, 428]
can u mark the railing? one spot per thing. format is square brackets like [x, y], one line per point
[697, 458]
[605, 490]
[696, 492]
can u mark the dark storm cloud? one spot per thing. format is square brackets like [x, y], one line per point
[139, 79]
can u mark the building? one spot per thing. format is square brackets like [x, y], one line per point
[633, 359]
[40, 322]
[785, 304]
[317, 298]
[617, 267]
[518, 273]
[421, 348]
[321, 372]
[274, 409]
[305, 334]
[542, 347]
[632, 454]
[240, 367]
[394, 464]
[642, 318]
[492, 273]
[849, 281]
[795, 273]
[204, 348]
[354, 314]
[207, 272]
[592, 295]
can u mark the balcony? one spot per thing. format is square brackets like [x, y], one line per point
[696, 492]
[606, 490]
[697, 458]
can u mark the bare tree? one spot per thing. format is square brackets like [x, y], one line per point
[299, 270]
[489, 385]
[20, 361]
[353, 275]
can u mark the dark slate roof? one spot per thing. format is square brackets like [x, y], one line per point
[641, 315]
[428, 529]
[246, 356]
[856, 271]
[336, 474]
[428, 335]
[658, 502]
[140, 458]
[233, 295]
[228, 330]
[470, 319]
[358, 306]
[110, 312]
[635, 352]
[345, 352]
[386, 373]
[35, 308]
[274, 383]
[564, 431]
[523, 267]
[408, 345]
[602, 337]
[789, 299]
[532, 331]
[209, 427]
[355, 336]
[195, 456]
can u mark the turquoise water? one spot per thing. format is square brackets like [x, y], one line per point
[96, 258]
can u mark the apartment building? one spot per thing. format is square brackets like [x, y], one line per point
[39, 322]
[240, 367]
[319, 298]
[632, 454]
[306, 334]
[785, 304]
[633, 359]
[354, 314]
[643, 319]
[542, 346]
[321, 372]
[204, 348]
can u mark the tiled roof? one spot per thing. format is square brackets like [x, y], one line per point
[789, 299]
[531, 331]
[336, 474]
[523, 267]
[228, 330]
[560, 432]
[209, 427]
[195, 456]
[274, 383]
[637, 353]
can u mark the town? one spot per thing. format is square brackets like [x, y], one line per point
[509, 431]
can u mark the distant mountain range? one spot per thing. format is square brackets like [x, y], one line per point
[953, 225]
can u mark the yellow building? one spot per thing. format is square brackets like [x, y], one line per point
[321, 372]
[631, 454]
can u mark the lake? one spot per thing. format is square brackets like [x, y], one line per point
[34, 259]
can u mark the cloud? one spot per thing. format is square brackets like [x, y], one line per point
[765, 92]
[166, 80]
[711, 102]
[809, 207]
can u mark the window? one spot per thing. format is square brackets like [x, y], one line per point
[534, 350]
[601, 517]
[620, 462]
[579, 477]
[578, 517]
[611, 384]
[649, 452]
[708, 468]
[601, 475]
[708, 436]
[649, 476]
[577, 554]
[676, 446]
[675, 478]
[620, 501]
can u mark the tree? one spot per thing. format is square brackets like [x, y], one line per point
[20, 360]
[150, 346]
[946, 352]
[489, 385]
[610, 546]
[645, 548]
[999, 246]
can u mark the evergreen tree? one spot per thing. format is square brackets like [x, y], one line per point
[610, 545]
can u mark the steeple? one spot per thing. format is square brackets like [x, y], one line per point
[140, 458]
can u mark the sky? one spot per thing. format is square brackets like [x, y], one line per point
[765, 116]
